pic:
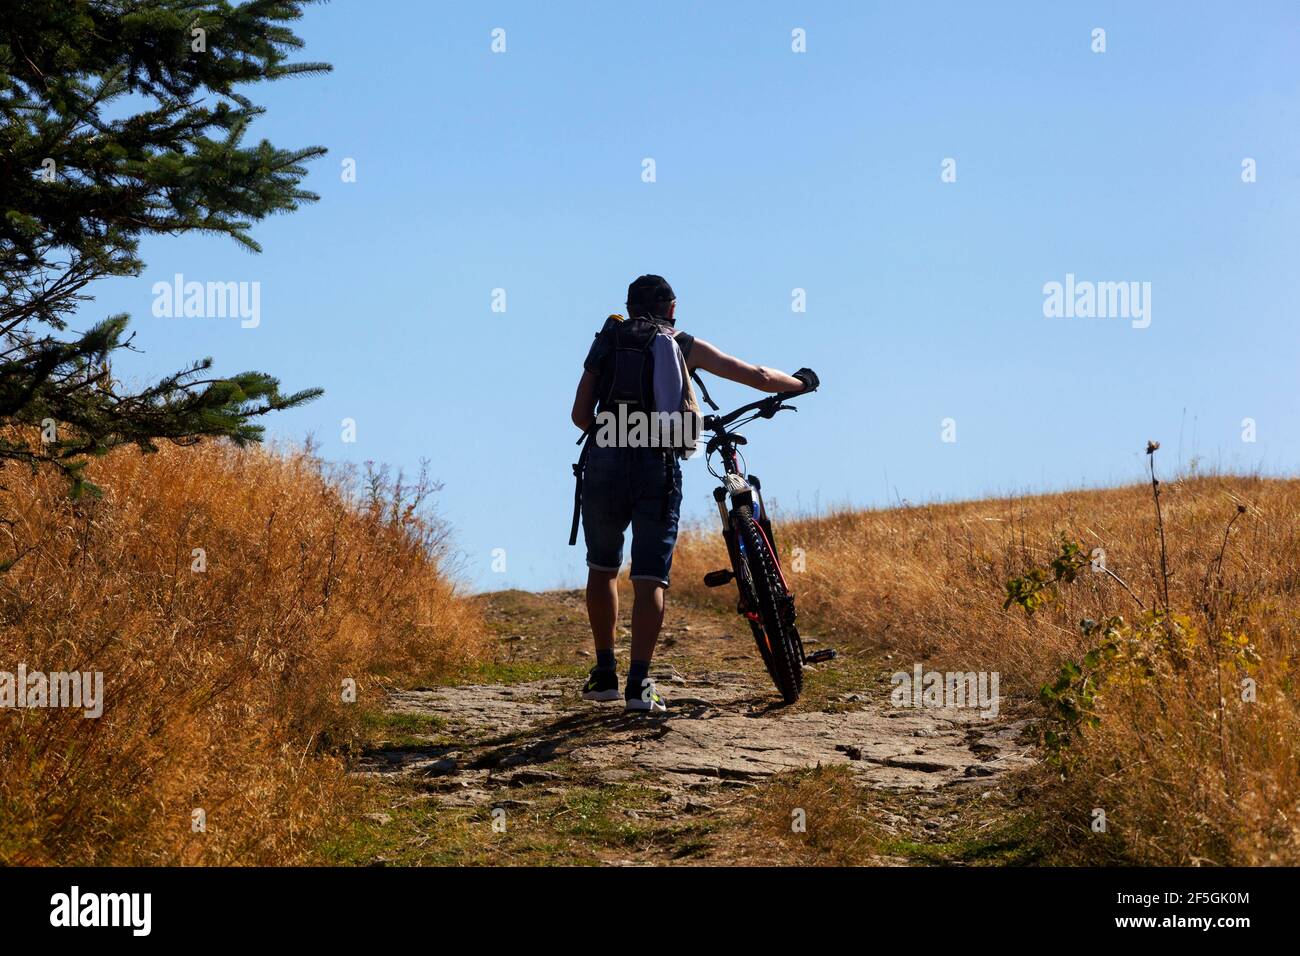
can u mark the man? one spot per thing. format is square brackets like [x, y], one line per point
[641, 487]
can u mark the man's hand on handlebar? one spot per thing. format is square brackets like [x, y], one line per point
[808, 377]
[766, 407]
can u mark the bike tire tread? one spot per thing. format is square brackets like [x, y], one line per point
[783, 665]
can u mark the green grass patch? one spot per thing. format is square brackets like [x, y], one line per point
[513, 672]
[586, 824]
[599, 814]
[406, 729]
[1011, 843]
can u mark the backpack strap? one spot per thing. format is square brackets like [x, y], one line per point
[668, 460]
[579, 467]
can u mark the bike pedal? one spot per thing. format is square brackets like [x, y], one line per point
[716, 579]
[816, 657]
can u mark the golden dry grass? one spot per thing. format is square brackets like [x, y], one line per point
[814, 817]
[223, 687]
[1187, 771]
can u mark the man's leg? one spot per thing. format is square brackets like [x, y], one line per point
[658, 495]
[606, 513]
[647, 618]
[602, 608]
[602, 611]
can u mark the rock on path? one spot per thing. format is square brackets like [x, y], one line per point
[719, 731]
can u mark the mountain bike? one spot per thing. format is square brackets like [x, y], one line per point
[766, 600]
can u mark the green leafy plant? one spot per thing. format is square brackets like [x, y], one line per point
[1038, 586]
[1123, 652]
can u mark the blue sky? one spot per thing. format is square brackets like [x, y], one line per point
[775, 170]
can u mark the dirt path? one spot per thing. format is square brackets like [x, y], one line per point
[524, 751]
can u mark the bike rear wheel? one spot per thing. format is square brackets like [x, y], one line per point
[770, 603]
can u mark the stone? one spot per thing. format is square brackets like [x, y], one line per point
[706, 741]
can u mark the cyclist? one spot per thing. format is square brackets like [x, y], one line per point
[625, 486]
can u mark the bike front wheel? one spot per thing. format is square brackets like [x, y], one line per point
[771, 610]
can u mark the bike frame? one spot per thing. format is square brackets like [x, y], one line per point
[748, 490]
[726, 442]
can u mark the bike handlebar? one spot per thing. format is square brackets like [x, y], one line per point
[766, 407]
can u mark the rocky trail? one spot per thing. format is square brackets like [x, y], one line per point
[515, 767]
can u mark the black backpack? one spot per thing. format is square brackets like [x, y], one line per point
[622, 358]
[624, 349]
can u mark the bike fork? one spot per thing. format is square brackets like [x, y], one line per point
[724, 576]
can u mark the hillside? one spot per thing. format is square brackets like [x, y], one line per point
[506, 765]
[1186, 723]
[225, 597]
[228, 597]
[1166, 737]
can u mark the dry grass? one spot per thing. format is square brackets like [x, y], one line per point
[816, 817]
[223, 687]
[1187, 771]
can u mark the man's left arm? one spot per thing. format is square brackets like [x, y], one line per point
[584, 402]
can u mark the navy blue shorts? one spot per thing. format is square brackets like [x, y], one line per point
[637, 487]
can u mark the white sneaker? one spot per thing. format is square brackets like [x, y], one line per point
[649, 699]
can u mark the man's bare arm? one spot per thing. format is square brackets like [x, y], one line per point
[584, 402]
[711, 359]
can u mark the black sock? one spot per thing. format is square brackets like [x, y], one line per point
[637, 671]
[605, 659]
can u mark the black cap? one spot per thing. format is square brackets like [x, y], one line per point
[649, 295]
